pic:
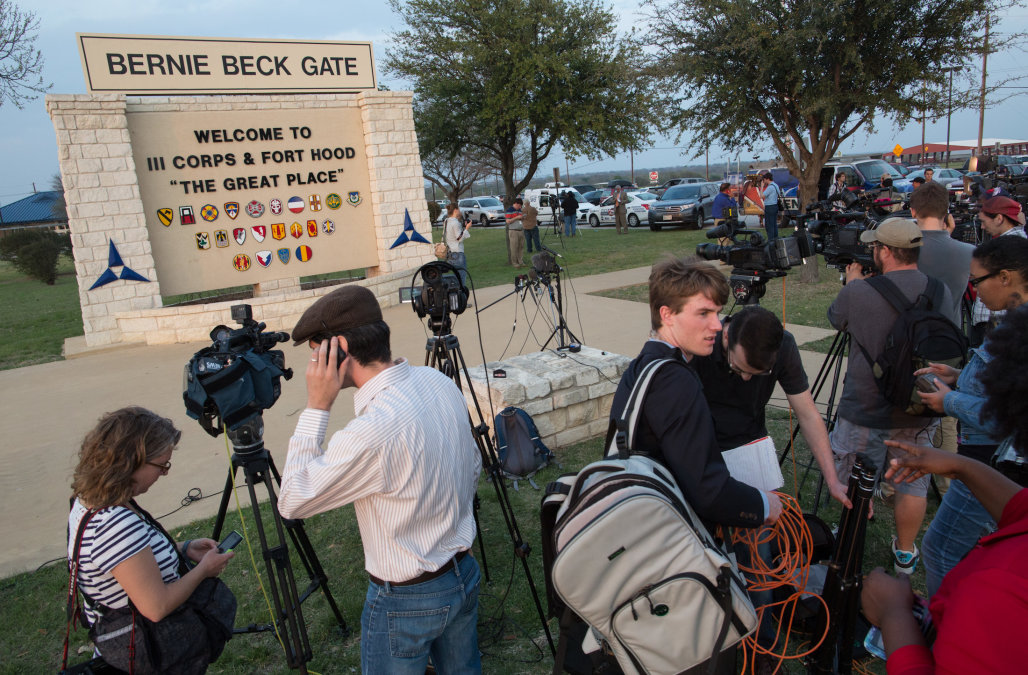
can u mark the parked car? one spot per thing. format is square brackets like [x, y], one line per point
[687, 205]
[637, 207]
[659, 190]
[939, 175]
[596, 196]
[584, 188]
[483, 210]
[902, 168]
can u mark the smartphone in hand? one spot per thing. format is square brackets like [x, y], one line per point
[230, 542]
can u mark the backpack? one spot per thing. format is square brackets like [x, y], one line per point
[522, 452]
[920, 335]
[624, 551]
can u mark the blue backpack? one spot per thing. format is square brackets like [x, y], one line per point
[522, 452]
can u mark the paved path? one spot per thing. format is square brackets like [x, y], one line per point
[48, 408]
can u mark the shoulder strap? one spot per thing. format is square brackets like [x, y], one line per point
[183, 563]
[888, 290]
[628, 421]
[73, 608]
[935, 294]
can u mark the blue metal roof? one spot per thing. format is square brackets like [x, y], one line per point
[36, 208]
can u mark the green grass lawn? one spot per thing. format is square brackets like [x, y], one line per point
[36, 318]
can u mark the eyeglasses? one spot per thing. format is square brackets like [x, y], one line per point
[977, 280]
[740, 372]
[165, 467]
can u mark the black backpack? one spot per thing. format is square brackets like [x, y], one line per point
[920, 335]
[522, 453]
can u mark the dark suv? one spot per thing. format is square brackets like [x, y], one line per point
[686, 205]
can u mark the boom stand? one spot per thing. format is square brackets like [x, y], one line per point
[560, 325]
[844, 578]
[442, 352]
[259, 468]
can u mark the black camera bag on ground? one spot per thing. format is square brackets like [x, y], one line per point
[921, 335]
[522, 453]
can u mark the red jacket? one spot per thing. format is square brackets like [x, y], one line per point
[981, 608]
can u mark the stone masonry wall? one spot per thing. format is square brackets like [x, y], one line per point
[104, 204]
[568, 395]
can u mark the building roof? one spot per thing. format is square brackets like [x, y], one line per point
[36, 208]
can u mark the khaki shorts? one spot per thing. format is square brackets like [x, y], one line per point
[848, 439]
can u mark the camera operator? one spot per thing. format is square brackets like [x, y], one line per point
[676, 429]
[409, 465]
[570, 206]
[886, 193]
[1000, 217]
[837, 192]
[772, 200]
[455, 233]
[866, 418]
[981, 608]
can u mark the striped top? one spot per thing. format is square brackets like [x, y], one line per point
[407, 462]
[114, 535]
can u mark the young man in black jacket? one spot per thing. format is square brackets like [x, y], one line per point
[676, 427]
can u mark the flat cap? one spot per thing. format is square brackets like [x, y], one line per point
[346, 307]
[895, 232]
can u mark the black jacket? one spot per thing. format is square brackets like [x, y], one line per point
[677, 430]
[569, 204]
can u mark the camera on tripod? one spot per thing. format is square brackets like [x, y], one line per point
[750, 250]
[440, 294]
[237, 377]
[836, 236]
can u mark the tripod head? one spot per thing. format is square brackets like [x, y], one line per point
[248, 438]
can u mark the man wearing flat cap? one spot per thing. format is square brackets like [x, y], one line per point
[1001, 217]
[408, 463]
[866, 418]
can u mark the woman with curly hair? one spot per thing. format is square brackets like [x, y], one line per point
[125, 556]
[999, 272]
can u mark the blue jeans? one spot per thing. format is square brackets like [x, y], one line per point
[533, 235]
[401, 626]
[460, 261]
[958, 525]
[771, 221]
[570, 226]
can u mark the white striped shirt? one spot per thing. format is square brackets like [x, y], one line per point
[407, 462]
[113, 536]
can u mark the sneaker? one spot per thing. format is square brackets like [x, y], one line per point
[904, 562]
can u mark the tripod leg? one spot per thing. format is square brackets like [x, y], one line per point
[219, 520]
[481, 540]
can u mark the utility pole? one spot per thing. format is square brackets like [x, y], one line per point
[949, 112]
[981, 102]
[921, 161]
[631, 163]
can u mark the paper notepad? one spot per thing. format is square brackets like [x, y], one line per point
[755, 464]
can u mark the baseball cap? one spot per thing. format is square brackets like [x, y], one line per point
[1006, 206]
[895, 232]
[344, 308]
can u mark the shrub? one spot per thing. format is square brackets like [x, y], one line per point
[34, 252]
[433, 211]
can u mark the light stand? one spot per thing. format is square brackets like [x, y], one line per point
[259, 468]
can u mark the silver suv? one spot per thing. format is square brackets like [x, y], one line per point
[482, 210]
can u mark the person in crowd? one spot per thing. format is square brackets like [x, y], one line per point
[1000, 217]
[999, 272]
[676, 428]
[772, 195]
[917, 181]
[723, 200]
[570, 206]
[886, 194]
[981, 606]
[866, 417]
[837, 192]
[125, 556]
[409, 464]
[515, 234]
[456, 231]
[620, 210]
[530, 222]
[929, 175]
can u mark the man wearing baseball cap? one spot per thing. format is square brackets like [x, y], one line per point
[866, 418]
[1000, 217]
[409, 464]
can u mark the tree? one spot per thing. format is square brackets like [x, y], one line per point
[20, 62]
[507, 73]
[805, 75]
[59, 209]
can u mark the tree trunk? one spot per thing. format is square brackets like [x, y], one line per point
[810, 272]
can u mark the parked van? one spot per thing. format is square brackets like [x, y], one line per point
[540, 199]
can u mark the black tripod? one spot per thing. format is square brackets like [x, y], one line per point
[548, 272]
[259, 467]
[442, 352]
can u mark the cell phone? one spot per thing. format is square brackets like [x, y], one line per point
[926, 383]
[230, 542]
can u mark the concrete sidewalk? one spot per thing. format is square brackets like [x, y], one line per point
[49, 408]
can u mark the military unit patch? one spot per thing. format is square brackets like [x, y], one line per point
[263, 258]
[232, 210]
[333, 201]
[303, 253]
[209, 212]
[241, 262]
[239, 234]
[295, 204]
[315, 202]
[255, 209]
[221, 238]
[185, 215]
[312, 228]
[202, 241]
[278, 230]
[296, 229]
[259, 232]
[283, 255]
[276, 206]
[354, 198]
[328, 226]
[166, 216]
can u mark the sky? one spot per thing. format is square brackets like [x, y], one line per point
[28, 149]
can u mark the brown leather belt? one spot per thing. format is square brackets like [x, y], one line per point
[425, 576]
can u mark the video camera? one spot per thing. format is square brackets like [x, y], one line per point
[751, 251]
[441, 294]
[836, 236]
[237, 377]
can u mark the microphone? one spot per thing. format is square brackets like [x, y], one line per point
[551, 252]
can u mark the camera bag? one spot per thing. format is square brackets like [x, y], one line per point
[920, 335]
[628, 555]
[522, 453]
